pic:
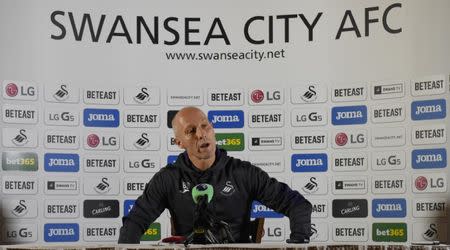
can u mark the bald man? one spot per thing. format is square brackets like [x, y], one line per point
[236, 185]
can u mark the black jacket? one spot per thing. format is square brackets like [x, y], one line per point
[236, 184]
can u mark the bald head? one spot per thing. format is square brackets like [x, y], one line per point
[181, 116]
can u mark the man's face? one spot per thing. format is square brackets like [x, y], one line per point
[195, 134]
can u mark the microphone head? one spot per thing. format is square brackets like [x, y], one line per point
[202, 189]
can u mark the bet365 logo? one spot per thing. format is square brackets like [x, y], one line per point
[230, 141]
[153, 232]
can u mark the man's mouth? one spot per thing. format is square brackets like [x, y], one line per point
[204, 145]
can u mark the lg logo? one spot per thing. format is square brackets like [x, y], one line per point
[268, 96]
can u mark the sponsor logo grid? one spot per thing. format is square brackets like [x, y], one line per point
[106, 136]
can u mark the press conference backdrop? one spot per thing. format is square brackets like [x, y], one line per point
[344, 101]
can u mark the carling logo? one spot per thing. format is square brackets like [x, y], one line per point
[127, 206]
[349, 115]
[225, 97]
[101, 208]
[61, 232]
[19, 161]
[142, 95]
[20, 90]
[429, 158]
[346, 208]
[261, 211]
[226, 118]
[101, 118]
[309, 162]
[61, 162]
[389, 208]
[428, 110]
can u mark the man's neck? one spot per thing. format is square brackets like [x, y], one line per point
[202, 164]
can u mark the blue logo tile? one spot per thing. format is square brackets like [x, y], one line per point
[309, 162]
[428, 110]
[171, 159]
[127, 206]
[61, 232]
[429, 158]
[226, 118]
[348, 115]
[389, 208]
[261, 211]
[61, 162]
[101, 118]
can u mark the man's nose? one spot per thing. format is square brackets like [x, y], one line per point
[201, 132]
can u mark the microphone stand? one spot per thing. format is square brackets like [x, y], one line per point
[204, 223]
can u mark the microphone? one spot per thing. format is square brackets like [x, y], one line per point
[202, 189]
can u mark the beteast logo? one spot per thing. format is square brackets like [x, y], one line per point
[61, 209]
[429, 158]
[127, 206]
[261, 211]
[135, 185]
[61, 162]
[345, 208]
[101, 96]
[350, 185]
[309, 117]
[101, 118]
[141, 163]
[103, 232]
[225, 97]
[230, 141]
[354, 161]
[350, 232]
[141, 118]
[61, 232]
[388, 112]
[15, 233]
[226, 118]
[428, 110]
[429, 134]
[270, 96]
[386, 91]
[349, 115]
[20, 90]
[389, 232]
[142, 94]
[319, 208]
[388, 160]
[391, 184]
[19, 161]
[430, 183]
[350, 139]
[430, 208]
[430, 85]
[61, 117]
[102, 141]
[101, 163]
[309, 162]
[19, 185]
[55, 139]
[101, 208]
[349, 94]
[309, 93]
[20, 114]
[309, 139]
[265, 119]
[389, 208]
